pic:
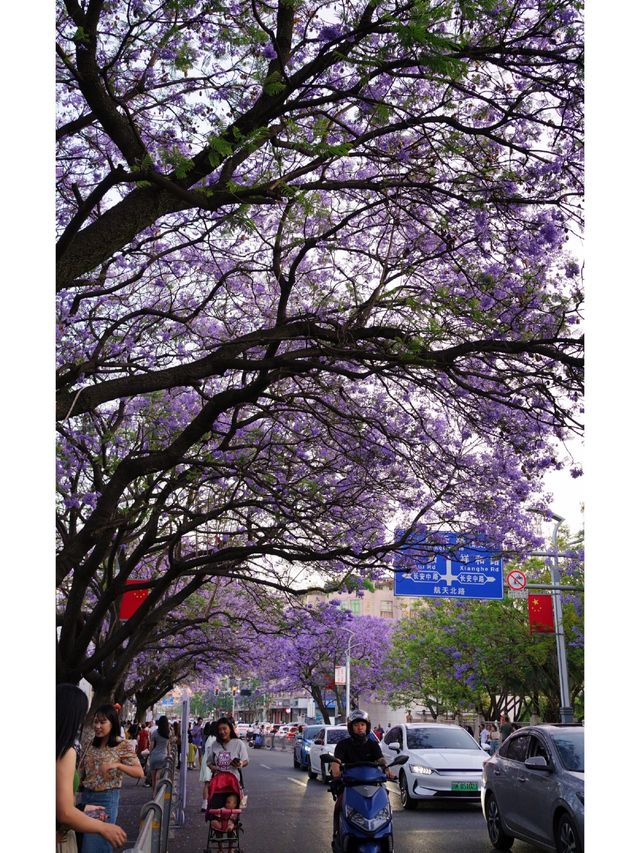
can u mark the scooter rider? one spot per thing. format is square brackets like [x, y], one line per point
[357, 747]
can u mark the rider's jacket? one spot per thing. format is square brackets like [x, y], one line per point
[351, 749]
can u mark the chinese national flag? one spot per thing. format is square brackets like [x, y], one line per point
[541, 614]
[131, 601]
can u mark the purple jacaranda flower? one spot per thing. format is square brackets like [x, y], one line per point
[330, 33]
[549, 232]
[269, 51]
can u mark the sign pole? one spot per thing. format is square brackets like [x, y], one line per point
[566, 711]
[181, 806]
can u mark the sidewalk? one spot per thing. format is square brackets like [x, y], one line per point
[190, 838]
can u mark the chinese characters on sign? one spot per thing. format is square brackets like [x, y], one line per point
[466, 571]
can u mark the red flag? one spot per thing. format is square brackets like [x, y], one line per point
[131, 600]
[541, 614]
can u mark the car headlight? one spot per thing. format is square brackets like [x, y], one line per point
[377, 821]
[421, 770]
[306, 747]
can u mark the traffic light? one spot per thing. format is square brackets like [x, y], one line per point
[234, 690]
[217, 691]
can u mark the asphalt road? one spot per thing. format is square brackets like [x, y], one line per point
[289, 813]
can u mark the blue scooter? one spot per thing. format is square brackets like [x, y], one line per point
[365, 817]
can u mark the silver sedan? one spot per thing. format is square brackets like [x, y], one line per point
[533, 789]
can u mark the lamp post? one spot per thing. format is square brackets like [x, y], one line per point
[347, 696]
[566, 711]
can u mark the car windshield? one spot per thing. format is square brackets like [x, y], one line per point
[310, 732]
[334, 735]
[440, 738]
[570, 746]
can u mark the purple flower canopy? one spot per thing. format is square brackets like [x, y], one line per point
[297, 299]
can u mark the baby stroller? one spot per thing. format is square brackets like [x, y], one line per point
[224, 822]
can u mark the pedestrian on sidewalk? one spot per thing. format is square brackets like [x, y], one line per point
[227, 741]
[494, 738]
[506, 727]
[159, 750]
[196, 734]
[191, 749]
[104, 762]
[178, 740]
[205, 771]
[71, 709]
[143, 739]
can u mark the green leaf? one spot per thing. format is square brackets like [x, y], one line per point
[81, 36]
[274, 88]
[220, 145]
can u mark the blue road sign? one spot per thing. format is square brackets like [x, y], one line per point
[468, 571]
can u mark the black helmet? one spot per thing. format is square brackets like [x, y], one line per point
[355, 716]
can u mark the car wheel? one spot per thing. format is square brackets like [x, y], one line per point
[497, 836]
[567, 840]
[310, 772]
[296, 763]
[406, 799]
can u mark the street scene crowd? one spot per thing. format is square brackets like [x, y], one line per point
[90, 769]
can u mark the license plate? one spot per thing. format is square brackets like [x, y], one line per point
[464, 786]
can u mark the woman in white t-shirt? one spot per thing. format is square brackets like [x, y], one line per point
[226, 742]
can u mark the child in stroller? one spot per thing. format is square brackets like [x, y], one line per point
[223, 812]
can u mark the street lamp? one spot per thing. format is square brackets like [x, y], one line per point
[347, 697]
[566, 711]
[234, 690]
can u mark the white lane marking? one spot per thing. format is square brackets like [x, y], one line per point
[297, 781]
[266, 766]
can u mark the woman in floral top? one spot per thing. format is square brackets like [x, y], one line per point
[71, 709]
[101, 768]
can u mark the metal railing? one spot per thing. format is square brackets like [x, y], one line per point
[278, 742]
[155, 816]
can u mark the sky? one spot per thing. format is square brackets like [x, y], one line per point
[568, 492]
[610, 458]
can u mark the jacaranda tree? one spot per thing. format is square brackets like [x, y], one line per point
[316, 642]
[311, 273]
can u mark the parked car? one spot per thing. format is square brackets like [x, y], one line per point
[324, 743]
[533, 789]
[302, 745]
[445, 762]
[241, 729]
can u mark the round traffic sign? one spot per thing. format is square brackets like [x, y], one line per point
[516, 579]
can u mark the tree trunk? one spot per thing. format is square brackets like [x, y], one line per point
[316, 694]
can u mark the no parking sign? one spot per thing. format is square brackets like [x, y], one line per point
[516, 580]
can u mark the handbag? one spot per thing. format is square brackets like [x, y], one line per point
[68, 842]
